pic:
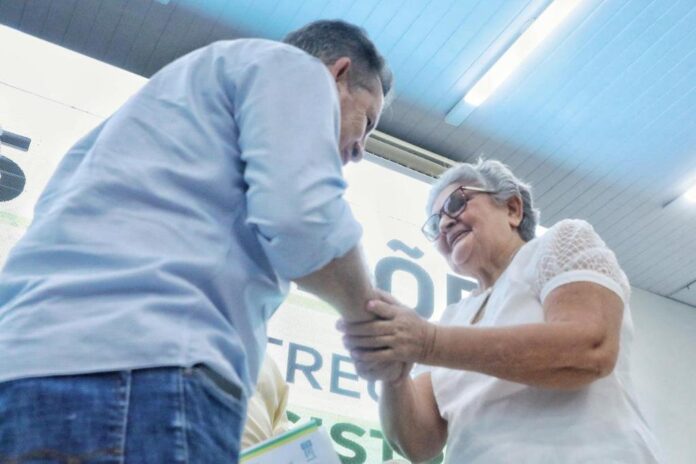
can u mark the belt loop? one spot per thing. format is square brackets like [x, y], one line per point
[126, 383]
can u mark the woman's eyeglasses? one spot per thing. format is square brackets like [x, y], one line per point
[453, 206]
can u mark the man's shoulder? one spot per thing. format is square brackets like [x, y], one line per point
[263, 50]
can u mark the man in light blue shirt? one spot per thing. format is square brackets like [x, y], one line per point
[133, 311]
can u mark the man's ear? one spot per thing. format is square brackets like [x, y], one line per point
[515, 210]
[339, 68]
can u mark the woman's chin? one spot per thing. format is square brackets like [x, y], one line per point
[461, 266]
[461, 253]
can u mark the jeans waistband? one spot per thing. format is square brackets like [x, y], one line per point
[221, 382]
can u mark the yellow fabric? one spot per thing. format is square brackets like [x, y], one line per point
[266, 415]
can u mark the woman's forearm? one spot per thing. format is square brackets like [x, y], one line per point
[558, 355]
[577, 343]
[410, 419]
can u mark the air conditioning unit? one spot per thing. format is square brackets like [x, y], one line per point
[426, 164]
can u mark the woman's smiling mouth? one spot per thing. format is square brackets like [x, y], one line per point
[456, 236]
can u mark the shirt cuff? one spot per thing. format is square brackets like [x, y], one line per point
[300, 254]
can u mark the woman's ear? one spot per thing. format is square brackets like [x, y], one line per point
[515, 210]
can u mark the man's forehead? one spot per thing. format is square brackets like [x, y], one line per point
[378, 106]
[374, 88]
[377, 102]
[373, 101]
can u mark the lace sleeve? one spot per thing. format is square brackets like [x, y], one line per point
[573, 252]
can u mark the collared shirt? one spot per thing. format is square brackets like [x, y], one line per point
[169, 234]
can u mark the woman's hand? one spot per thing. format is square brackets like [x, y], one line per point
[398, 334]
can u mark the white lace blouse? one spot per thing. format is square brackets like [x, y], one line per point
[497, 421]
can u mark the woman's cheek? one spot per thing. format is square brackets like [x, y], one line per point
[442, 248]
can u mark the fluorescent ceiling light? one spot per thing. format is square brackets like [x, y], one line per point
[537, 31]
[552, 16]
[691, 194]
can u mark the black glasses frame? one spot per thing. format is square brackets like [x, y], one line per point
[437, 217]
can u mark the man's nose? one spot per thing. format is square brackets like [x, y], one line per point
[358, 152]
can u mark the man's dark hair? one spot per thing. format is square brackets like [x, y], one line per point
[330, 40]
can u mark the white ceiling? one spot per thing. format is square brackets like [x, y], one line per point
[600, 119]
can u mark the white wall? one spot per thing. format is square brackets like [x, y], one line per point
[664, 371]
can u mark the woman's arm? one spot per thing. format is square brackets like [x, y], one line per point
[576, 344]
[411, 420]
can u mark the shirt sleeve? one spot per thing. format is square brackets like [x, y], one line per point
[573, 252]
[288, 115]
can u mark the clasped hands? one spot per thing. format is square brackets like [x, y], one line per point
[385, 348]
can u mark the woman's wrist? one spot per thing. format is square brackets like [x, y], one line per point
[429, 341]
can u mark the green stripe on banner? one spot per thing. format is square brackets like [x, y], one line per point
[310, 302]
[14, 220]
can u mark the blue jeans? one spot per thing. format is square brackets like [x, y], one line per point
[160, 415]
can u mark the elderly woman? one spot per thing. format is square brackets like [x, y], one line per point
[532, 367]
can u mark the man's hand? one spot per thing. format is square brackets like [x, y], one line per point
[392, 373]
[386, 348]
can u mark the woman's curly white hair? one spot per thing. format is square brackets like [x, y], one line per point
[491, 175]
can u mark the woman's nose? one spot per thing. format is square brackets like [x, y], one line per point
[446, 223]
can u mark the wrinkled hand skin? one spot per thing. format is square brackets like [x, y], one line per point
[393, 373]
[386, 348]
